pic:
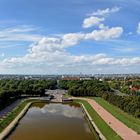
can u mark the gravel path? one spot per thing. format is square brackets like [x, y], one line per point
[9, 128]
[9, 108]
[121, 129]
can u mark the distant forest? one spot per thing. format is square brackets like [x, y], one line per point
[96, 88]
[11, 90]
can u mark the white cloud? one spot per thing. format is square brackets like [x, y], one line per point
[72, 39]
[20, 29]
[42, 57]
[50, 55]
[94, 18]
[91, 21]
[51, 51]
[102, 26]
[10, 44]
[103, 59]
[124, 49]
[19, 33]
[104, 12]
[105, 33]
[138, 28]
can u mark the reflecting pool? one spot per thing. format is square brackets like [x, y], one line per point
[53, 122]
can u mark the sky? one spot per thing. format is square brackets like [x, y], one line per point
[69, 37]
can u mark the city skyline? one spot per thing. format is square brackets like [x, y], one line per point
[69, 37]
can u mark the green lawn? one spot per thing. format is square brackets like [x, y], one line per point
[12, 115]
[66, 95]
[127, 119]
[5, 122]
[100, 123]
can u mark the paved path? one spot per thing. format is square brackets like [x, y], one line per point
[57, 98]
[9, 108]
[9, 128]
[121, 129]
[58, 94]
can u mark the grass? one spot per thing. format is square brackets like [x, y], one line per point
[108, 132]
[66, 95]
[6, 121]
[129, 120]
[12, 115]
[7, 103]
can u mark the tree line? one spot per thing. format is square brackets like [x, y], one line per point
[12, 89]
[125, 86]
[129, 104]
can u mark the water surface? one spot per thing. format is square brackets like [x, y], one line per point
[53, 122]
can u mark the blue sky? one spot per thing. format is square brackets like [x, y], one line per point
[69, 37]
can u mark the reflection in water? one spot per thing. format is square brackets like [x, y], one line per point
[38, 105]
[53, 122]
[64, 110]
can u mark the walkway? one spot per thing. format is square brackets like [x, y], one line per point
[12, 125]
[57, 98]
[58, 94]
[9, 108]
[121, 129]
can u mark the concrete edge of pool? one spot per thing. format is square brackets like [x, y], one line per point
[12, 125]
[101, 136]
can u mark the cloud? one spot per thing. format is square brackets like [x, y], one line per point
[51, 51]
[128, 49]
[19, 33]
[91, 21]
[102, 26]
[105, 33]
[58, 43]
[50, 54]
[97, 17]
[69, 112]
[41, 57]
[138, 28]
[10, 44]
[19, 29]
[104, 12]
[72, 39]
[103, 59]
